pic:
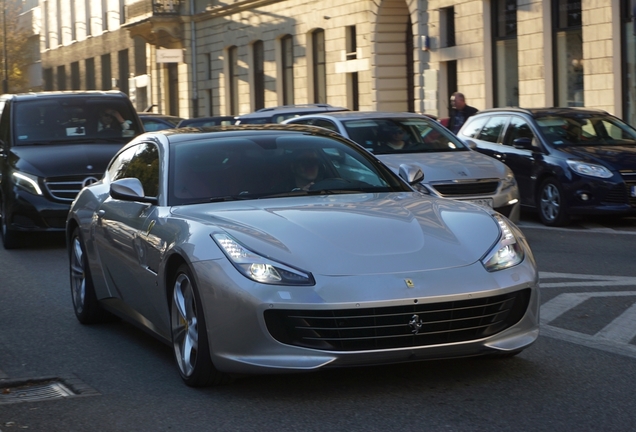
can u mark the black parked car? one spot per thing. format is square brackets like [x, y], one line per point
[567, 161]
[51, 145]
[280, 113]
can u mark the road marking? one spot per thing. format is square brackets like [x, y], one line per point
[614, 337]
[582, 280]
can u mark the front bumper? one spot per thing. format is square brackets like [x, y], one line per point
[28, 212]
[242, 342]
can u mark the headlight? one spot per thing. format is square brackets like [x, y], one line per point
[589, 169]
[509, 250]
[509, 180]
[27, 182]
[258, 268]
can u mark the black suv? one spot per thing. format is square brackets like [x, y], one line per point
[51, 145]
[284, 112]
[567, 161]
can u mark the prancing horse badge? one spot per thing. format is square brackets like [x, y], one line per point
[409, 283]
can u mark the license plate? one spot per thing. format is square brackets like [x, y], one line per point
[482, 202]
[633, 191]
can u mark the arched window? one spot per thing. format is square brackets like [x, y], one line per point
[319, 66]
[287, 66]
[258, 66]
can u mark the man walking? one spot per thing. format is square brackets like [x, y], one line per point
[459, 112]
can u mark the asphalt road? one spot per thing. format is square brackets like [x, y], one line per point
[579, 375]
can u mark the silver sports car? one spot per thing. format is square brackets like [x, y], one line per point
[272, 248]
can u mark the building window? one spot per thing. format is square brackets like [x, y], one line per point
[233, 80]
[258, 66]
[287, 51]
[87, 9]
[629, 62]
[122, 11]
[47, 38]
[72, 24]
[319, 66]
[351, 53]
[61, 78]
[48, 79]
[207, 69]
[447, 26]
[124, 70]
[58, 14]
[568, 40]
[210, 103]
[90, 74]
[107, 82]
[506, 65]
[75, 76]
[141, 67]
[104, 15]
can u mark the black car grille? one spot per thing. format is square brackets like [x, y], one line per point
[395, 327]
[66, 188]
[466, 188]
[630, 180]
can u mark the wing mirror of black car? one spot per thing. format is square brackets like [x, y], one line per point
[470, 143]
[523, 143]
[411, 173]
[130, 189]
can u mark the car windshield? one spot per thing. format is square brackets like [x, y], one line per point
[74, 120]
[407, 135]
[268, 165]
[586, 129]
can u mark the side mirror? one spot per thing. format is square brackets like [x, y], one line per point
[412, 174]
[129, 189]
[523, 143]
[471, 144]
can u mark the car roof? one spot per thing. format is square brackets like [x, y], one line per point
[547, 111]
[64, 94]
[190, 134]
[367, 115]
[306, 108]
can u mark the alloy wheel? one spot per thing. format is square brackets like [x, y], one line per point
[185, 334]
[550, 202]
[78, 275]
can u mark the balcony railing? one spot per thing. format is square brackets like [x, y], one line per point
[166, 7]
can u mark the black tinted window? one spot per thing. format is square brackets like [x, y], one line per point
[141, 162]
[518, 128]
[492, 129]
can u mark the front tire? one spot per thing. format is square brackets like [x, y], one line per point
[11, 239]
[552, 204]
[85, 304]
[189, 336]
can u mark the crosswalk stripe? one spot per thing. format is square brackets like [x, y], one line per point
[622, 329]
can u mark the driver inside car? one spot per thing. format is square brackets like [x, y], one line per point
[307, 169]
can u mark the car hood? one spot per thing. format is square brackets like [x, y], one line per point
[357, 233]
[441, 166]
[614, 157]
[66, 159]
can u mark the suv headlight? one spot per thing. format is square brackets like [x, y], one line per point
[259, 268]
[589, 169]
[509, 250]
[27, 182]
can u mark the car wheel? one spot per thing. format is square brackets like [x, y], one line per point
[189, 336]
[552, 206]
[10, 238]
[85, 304]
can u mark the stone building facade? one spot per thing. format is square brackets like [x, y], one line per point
[205, 57]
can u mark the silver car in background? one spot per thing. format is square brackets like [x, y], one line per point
[451, 169]
[281, 248]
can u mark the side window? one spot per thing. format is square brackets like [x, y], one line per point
[492, 129]
[518, 128]
[473, 126]
[325, 124]
[303, 121]
[142, 162]
[5, 124]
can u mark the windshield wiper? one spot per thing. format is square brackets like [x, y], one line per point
[231, 198]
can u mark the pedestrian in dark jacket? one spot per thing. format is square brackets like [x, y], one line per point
[459, 112]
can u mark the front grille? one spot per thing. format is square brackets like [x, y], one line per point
[616, 195]
[65, 188]
[394, 327]
[466, 188]
[629, 176]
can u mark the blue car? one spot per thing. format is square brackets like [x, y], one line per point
[567, 161]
